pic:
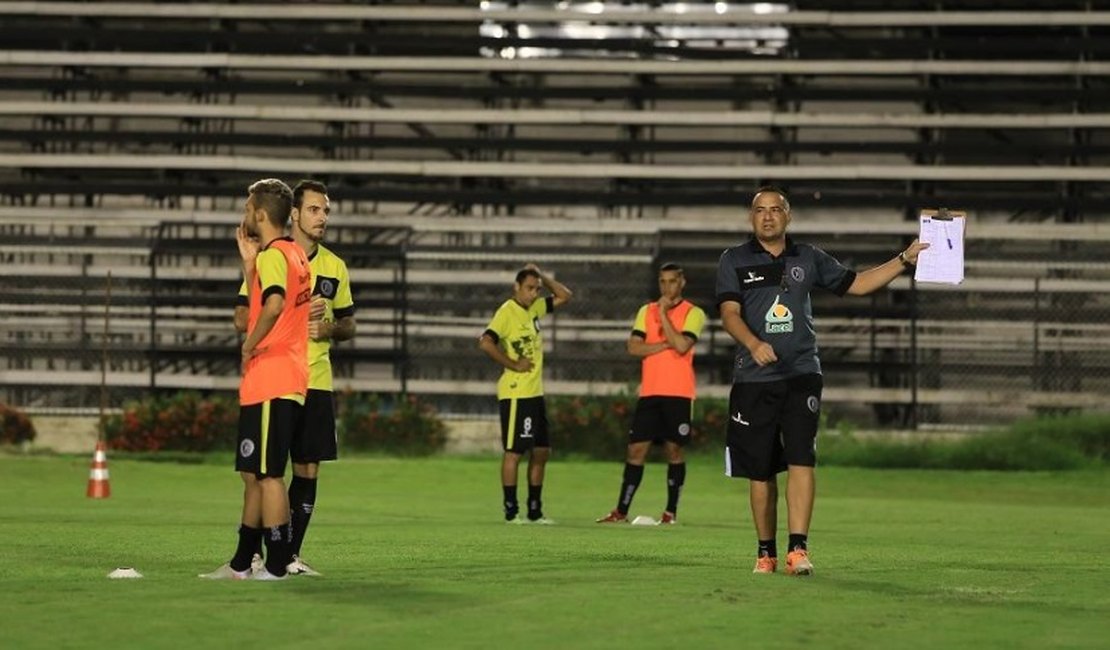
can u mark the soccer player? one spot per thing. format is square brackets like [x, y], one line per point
[663, 335]
[763, 289]
[275, 377]
[315, 441]
[512, 339]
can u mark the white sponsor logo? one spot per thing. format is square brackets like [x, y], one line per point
[752, 277]
[739, 419]
[246, 448]
[684, 429]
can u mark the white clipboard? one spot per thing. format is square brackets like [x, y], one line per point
[943, 261]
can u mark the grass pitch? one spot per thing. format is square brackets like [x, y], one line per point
[414, 554]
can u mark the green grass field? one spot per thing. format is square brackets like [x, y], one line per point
[414, 555]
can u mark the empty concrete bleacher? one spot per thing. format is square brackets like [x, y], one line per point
[116, 118]
[989, 108]
[151, 303]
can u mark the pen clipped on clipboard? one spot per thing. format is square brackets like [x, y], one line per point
[943, 261]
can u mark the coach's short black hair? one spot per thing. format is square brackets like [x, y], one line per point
[527, 273]
[307, 185]
[275, 197]
[776, 190]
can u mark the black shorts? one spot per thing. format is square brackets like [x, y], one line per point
[523, 424]
[772, 425]
[265, 433]
[659, 419]
[315, 440]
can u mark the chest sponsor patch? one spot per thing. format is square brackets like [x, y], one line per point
[779, 318]
[762, 275]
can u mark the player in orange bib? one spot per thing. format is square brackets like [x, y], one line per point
[663, 335]
[275, 377]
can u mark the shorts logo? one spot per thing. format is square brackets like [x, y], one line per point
[739, 419]
[798, 273]
[812, 403]
[246, 448]
[527, 428]
[684, 429]
[780, 320]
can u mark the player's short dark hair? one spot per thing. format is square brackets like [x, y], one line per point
[275, 197]
[672, 266]
[527, 273]
[776, 190]
[307, 185]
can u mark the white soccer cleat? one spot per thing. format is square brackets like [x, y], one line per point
[299, 567]
[225, 572]
[542, 521]
[263, 574]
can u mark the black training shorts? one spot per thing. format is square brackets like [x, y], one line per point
[660, 418]
[315, 440]
[265, 433]
[771, 425]
[523, 424]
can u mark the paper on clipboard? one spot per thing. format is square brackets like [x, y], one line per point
[943, 261]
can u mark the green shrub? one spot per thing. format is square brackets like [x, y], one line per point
[403, 425]
[597, 425]
[15, 427]
[1003, 450]
[1087, 433]
[184, 421]
[1047, 443]
[847, 450]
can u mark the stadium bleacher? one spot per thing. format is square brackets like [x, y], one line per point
[463, 140]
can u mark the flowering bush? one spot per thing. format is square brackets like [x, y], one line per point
[184, 421]
[15, 426]
[404, 425]
[597, 425]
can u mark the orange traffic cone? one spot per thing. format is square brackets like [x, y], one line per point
[98, 474]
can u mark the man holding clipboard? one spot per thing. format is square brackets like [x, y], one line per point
[763, 289]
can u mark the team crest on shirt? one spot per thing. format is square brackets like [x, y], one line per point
[327, 287]
[798, 273]
[780, 320]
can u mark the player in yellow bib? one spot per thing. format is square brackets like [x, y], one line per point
[512, 339]
[333, 320]
[663, 336]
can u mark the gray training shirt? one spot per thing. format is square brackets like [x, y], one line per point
[773, 293]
